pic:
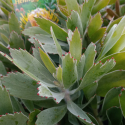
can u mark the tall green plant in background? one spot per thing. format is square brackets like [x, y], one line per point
[74, 73]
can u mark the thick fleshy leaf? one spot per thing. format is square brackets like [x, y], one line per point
[47, 62]
[16, 41]
[21, 86]
[95, 73]
[6, 40]
[75, 21]
[31, 31]
[122, 102]
[114, 115]
[2, 69]
[95, 24]
[111, 99]
[79, 113]
[51, 116]
[14, 24]
[59, 50]
[3, 48]
[76, 46]
[90, 54]
[110, 80]
[46, 24]
[86, 12]
[5, 102]
[69, 70]
[17, 118]
[99, 5]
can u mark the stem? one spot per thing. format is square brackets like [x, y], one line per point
[95, 111]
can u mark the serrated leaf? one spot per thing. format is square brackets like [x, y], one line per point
[3, 48]
[2, 69]
[114, 115]
[17, 118]
[46, 24]
[80, 66]
[31, 31]
[122, 102]
[95, 24]
[86, 12]
[111, 99]
[69, 71]
[95, 73]
[14, 24]
[99, 5]
[90, 54]
[55, 115]
[76, 46]
[22, 86]
[5, 104]
[75, 21]
[59, 50]
[78, 112]
[47, 62]
[32, 117]
[16, 41]
[110, 80]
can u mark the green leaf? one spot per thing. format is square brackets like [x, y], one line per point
[17, 118]
[47, 62]
[69, 71]
[59, 50]
[79, 113]
[76, 46]
[99, 5]
[55, 115]
[90, 54]
[86, 12]
[6, 40]
[2, 69]
[32, 117]
[46, 24]
[31, 31]
[114, 115]
[3, 48]
[5, 104]
[95, 24]
[95, 73]
[14, 24]
[111, 99]
[22, 86]
[122, 101]
[75, 21]
[110, 80]
[16, 41]
[6, 12]
[112, 2]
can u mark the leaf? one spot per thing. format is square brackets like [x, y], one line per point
[3, 48]
[5, 11]
[6, 40]
[86, 12]
[55, 115]
[32, 117]
[90, 54]
[95, 73]
[110, 80]
[47, 62]
[22, 86]
[95, 24]
[46, 24]
[75, 21]
[69, 71]
[31, 31]
[76, 46]
[78, 112]
[17, 118]
[112, 2]
[2, 69]
[111, 99]
[14, 24]
[114, 115]
[122, 101]
[5, 104]
[99, 5]
[59, 50]
[16, 41]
